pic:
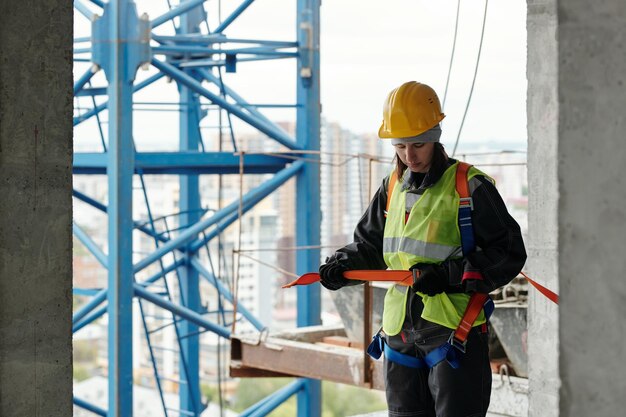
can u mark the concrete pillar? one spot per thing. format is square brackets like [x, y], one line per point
[592, 207]
[542, 244]
[35, 208]
[577, 218]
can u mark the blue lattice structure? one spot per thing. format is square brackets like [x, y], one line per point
[121, 42]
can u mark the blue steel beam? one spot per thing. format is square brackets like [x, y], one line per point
[90, 245]
[101, 296]
[308, 213]
[218, 38]
[119, 48]
[184, 7]
[99, 206]
[181, 311]
[253, 121]
[84, 10]
[203, 63]
[233, 94]
[93, 316]
[84, 79]
[201, 50]
[269, 404]
[100, 107]
[91, 92]
[226, 293]
[234, 15]
[252, 197]
[189, 204]
[178, 163]
[85, 291]
[89, 407]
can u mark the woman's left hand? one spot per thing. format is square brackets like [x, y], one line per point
[433, 279]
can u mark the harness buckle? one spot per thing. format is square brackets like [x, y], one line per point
[454, 342]
[466, 201]
[416, 274]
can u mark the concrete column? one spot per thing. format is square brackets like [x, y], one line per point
[542, 244]
[35, 208]
[592, 207]
[577, 219]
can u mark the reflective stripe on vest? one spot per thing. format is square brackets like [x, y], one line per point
[430, 235]
[429, 250]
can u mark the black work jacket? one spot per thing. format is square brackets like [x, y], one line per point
[500, 253]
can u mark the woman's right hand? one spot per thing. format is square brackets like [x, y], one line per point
[331, 274]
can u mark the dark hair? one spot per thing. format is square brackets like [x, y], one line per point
[440, 158]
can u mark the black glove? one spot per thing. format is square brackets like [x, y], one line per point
[331, 274]
[433, 279]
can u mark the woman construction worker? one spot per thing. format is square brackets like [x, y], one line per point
[416, 222]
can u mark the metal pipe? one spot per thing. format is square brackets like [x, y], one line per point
[196, 86]
[252, 197]
[183, 312]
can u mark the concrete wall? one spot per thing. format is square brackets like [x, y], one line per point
[592, 207]
[577, 150]
[35, 208]
[542, 244]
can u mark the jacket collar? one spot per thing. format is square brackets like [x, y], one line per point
[411, 180]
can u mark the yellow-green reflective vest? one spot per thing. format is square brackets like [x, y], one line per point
[431, 235]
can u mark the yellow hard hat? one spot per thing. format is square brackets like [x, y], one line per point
[410, 110]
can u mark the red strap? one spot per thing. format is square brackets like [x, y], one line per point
[552, 296]
[472, 275]
[474, 307]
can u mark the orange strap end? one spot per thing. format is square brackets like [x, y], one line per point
[305, 279]
[552, 296]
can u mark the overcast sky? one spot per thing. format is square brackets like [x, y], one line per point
[370, 47]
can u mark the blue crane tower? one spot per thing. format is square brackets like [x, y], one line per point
[121, 42]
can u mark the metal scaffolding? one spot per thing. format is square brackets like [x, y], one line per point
[121, 42]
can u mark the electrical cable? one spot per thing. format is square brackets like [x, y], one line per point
[469, 99]
[456, 30]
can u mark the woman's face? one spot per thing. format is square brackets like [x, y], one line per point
[417, 156]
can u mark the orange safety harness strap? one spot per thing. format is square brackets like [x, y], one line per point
[393, 178]
[397, 276]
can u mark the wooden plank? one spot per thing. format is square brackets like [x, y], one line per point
[305, 359]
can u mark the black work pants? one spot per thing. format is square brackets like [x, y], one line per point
[441, 391]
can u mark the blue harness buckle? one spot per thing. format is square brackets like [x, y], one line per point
[375, 348]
